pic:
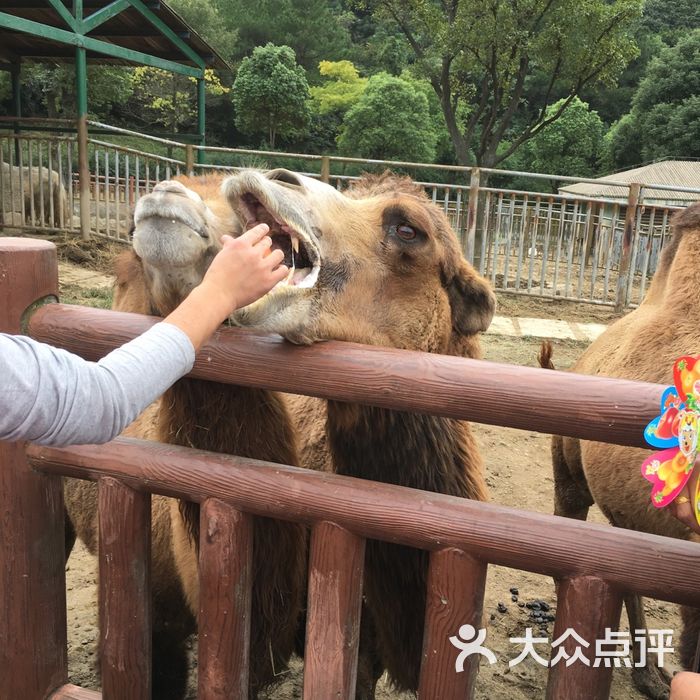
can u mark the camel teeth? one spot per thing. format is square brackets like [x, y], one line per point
[295, 245]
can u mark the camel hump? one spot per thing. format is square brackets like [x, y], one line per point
[688, 218]
[544, 357]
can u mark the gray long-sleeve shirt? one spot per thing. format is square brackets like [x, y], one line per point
[52, 397]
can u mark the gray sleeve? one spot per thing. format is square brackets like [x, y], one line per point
[53, 397]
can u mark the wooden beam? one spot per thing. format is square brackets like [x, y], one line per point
[102, 15]
[606, 410]
[431, 521]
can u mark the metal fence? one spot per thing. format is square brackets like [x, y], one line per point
[557, 246]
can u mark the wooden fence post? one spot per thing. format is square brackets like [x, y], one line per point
[454, 597]
[32, 549]
[586, 605]
[125, 590]
[472, 215]
[628, 238]
[225, 595]
[336, 567]
[189, 159]
[325, 169]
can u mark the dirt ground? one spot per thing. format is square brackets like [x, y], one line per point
[520, 478]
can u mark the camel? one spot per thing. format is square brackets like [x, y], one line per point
[22, 185]
[380, 265]
[640, 346]
[391, 275]
[176, 234]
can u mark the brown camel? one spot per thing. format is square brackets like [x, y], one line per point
[642, 346]
[176, 234]
[381, 266]
[391, 274]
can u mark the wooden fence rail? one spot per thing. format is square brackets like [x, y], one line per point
[595, 564]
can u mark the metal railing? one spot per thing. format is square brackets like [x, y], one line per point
[548, 245]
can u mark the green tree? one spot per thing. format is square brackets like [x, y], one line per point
[211, 23]
[271, 94]
[665, 116]
[480, 56]
[309, 27]
[342, 88]
[391, 121]
[169, 98]
[53, 87]
[569, 146]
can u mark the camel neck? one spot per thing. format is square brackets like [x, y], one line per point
[679, 281]
[229, 419]
[407, 449]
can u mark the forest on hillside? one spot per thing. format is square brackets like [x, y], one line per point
[578, 87]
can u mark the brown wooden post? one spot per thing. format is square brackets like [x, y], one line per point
[73, 692]
[32, 559]
[586, 605]
[325, 169]
[84, 179]
[125, 590]
[189, 159]
[336, 567]
[472, 215]
[455, 597]
[627, 246]
[225, 591]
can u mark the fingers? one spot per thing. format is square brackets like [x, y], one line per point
[684, 513]
[279, 273]
[255, 235]
[275, 258]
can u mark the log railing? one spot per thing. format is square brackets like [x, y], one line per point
[595, 564]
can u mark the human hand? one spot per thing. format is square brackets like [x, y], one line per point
[685, 686]
[244, 269]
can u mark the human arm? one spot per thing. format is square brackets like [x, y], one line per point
[51, 396]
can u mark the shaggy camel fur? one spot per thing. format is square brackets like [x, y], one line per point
[387, 271]
[33, 186]
[176, 235]
[391, 275]
[641, 346]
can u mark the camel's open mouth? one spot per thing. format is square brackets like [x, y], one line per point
[301, 255]
[261, 200]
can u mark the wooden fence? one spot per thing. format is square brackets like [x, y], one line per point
[595, 564]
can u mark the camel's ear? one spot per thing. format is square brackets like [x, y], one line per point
[472, 300]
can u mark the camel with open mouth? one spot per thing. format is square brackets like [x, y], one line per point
[379, 265]
[387, 271]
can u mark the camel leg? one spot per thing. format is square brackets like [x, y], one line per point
[572, 498]
[649, 679]
[369, 665]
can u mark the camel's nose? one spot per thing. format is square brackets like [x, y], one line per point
[286, 176]
[175, 187]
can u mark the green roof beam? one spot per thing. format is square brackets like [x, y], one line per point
[62, 10]
[167, 32]
[25, 25]
[102, 15]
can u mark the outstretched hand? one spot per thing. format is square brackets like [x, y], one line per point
[245, 269]
[242, 271]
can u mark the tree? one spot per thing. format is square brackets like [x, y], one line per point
[54, 88]
[271, 94]
[665, 116]
[480, 56]
[169, 98]
[211, 24]
[341, 90]
[309, 27]
[391, 121]
[569, 146]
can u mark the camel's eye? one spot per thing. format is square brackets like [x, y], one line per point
[404, 232]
